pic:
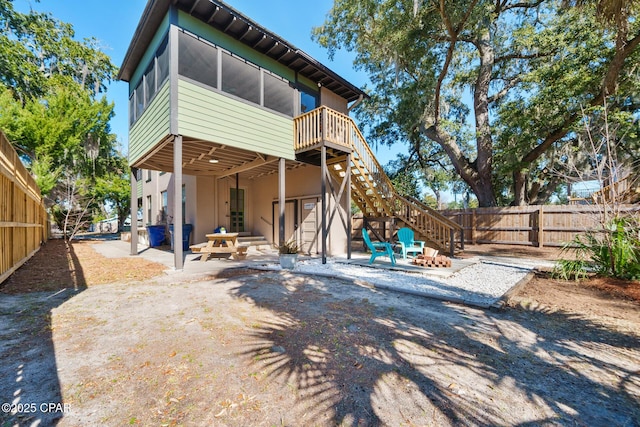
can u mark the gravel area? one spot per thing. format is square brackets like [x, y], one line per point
[483, 283]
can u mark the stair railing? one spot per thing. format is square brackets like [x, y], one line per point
[438, 227]
[326, 125]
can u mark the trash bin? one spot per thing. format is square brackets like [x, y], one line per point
[186, 235]
[156, 235]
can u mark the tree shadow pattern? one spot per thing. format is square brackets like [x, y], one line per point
[355, 356]
[29, 381]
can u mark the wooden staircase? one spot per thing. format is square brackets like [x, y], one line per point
[371, 188]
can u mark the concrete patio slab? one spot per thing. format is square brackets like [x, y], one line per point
[362, 259]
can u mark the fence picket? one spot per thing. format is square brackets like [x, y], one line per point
[536, 225]
[23, 218]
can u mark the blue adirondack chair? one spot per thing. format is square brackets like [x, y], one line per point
[407, 244]
[378, 248]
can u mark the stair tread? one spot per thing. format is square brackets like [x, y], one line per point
[253, 240]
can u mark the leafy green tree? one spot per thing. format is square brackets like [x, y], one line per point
[438, 180]
[514, 73]
[35, 47]
[53, 109]
[113, 189]
[57, 129]
[404, 180]
[431, 201]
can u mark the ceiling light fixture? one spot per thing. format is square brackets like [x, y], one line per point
[213, 160]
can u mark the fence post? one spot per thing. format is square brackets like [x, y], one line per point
[23, 217]
[474, 221]
[365, 227]
[541, 227]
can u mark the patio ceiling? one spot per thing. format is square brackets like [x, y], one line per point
[210, 159]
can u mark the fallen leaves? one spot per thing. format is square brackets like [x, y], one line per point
[241, 401]
[54, 267]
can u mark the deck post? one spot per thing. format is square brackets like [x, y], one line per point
[452, 243]
[348, 203]
[323, 174]
[281, 199]
[134, 211]
[235, 226]
[177, 203]
[325, 126]
[345, 187]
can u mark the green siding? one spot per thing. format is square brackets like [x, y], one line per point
[208, 115]
[151, 127]
[163, 29]
[218, 38]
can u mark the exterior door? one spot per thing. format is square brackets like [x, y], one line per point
[290, 221]
[236, 211]
[309, 226]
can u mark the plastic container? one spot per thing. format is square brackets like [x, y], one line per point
[156, 235]
[186, 235]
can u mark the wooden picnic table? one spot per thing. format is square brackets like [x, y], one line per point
[221, 243]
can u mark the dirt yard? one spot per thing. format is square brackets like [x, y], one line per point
[117, 342]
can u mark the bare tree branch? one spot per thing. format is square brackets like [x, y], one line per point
[497, 96]
[520, 5]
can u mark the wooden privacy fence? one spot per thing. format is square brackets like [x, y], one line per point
[23, 218]
[537, 225]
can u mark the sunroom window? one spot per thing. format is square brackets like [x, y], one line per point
[240, 78]
[197, 60]
[163, 61]
[149, 83]
[278, 95]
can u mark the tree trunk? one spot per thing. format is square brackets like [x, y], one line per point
[477, 175]
[519, 188]
[438, 198]
[484, 141]
[543, 193]
[482, 188]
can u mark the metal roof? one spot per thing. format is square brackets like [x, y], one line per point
[224, 18]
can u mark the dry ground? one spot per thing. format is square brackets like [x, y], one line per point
[597, 296]
[254, 348]
[58, 266]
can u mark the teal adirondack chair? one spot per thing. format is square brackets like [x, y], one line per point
[378, 248]
[407, 244]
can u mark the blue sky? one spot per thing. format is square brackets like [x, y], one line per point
[113, 23]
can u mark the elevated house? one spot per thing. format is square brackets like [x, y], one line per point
[230, 125]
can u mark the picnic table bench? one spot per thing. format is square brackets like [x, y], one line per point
[220, 243]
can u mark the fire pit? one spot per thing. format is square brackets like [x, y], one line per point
[430, 258]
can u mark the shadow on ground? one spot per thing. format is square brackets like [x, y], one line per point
[354, 356]
[29, 382]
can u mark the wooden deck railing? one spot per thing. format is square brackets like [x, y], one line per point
[626, 190]
[321, 125]
[373, 191]
[23, 218]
